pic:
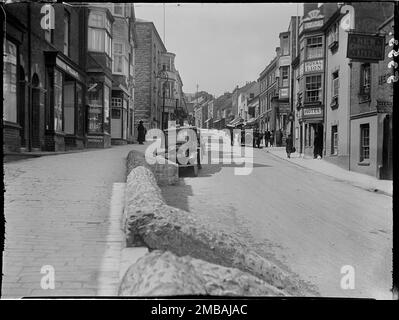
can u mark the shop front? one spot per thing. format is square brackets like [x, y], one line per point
[311, 126]
[98, 113]
[119, 117]
[64, 100]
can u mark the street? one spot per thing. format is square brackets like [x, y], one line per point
[302, 220]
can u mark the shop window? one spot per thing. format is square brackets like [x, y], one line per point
[10, 82]
[106, 109]
[364, 142]
[66, 32]
[58, 99]
[80, 110]
[334, 140]
[99, 33]
[313, 88]
[314, 47]
[334, 89]
[69, 107]
[95, 116]
[365, 80]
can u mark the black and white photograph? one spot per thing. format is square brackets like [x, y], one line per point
[233, 150]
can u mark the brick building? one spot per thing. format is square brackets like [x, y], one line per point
[44, 78]
[150, 47]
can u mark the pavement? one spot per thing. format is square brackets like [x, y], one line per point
[322, 166]
[306, 222]
[59, 223]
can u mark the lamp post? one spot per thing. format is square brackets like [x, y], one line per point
[163, 75]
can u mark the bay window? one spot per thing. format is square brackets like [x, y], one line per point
[120, 64]
[10, 82]
[314, 47]
[99, 33]
[58, 101]
[313, 88]
[284, 76]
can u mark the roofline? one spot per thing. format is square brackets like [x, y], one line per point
[156, 31]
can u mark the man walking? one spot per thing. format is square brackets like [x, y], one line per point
[141, 132]
[288, 146]
[267, 138]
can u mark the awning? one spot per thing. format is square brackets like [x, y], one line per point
[235, 122]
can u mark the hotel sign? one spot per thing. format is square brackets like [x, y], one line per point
[313, 24]
[312, 111]
[365, 47]
[314, 66]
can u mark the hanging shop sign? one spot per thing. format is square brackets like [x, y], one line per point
[314, 66]
[283, 93]
[365, 47]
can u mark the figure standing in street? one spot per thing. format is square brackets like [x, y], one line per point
[267, 138]
[259, 138]
[288, 146]
[141, 132]
[317, 145]
[271, 138]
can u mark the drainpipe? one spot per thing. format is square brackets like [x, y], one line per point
[30, 76]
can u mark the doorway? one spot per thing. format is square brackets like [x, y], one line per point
[37, 105]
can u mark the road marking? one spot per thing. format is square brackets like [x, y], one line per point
[108, 278]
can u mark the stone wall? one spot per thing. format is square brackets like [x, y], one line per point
[162, 273]
[150, 222]
[165, 171]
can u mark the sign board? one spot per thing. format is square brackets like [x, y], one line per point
[312, 111]
[365, 47]
[314, 66]
[301, 70]
[313, 24]
[68, 69]
[283, 93]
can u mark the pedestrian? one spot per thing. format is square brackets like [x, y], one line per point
[141, 132]
[272, 138]
[317, 145]
[259, 139]
[231, 136]
[288, 146]
[254, 137]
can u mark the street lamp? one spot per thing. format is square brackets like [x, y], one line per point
[163, 75]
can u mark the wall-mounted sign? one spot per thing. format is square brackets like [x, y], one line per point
[313, 24]
[313, 14]
[284, 61]
[312, 111]
[283, 93]
[68, 69]
[314, 66]
[365, 47]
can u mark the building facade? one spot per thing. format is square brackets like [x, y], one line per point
[44, 78]
[371, 101]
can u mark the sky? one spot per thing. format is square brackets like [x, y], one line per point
[219, 46]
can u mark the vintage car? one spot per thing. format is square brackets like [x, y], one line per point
[194, 159]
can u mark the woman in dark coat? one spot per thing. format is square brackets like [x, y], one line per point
[288, 146]
[141, 133]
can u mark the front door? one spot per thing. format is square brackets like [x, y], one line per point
[36, 118]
